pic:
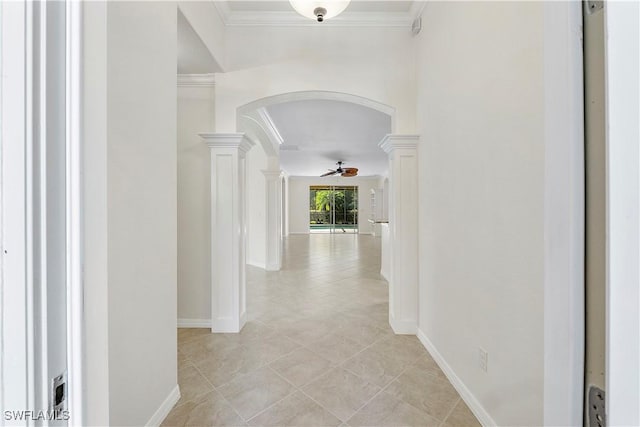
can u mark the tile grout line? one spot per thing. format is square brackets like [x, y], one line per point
[295, 389]
[440, 422]
[300, 389]
[322, 406]
[444, 420]
[382, 389]
[288, 281]
[215, 389]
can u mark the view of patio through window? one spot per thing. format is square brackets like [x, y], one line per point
[333, 209]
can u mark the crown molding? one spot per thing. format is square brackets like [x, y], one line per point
[393, 142]
[269, 126]
[293, 19]
[223, 10]
[417, 8]
[272, 174]
[196, 80]
[238, 141]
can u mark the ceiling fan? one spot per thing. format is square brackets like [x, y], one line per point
[346, 172]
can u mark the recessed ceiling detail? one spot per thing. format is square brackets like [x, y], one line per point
[368, 13]
[193, 55]
[317, 133]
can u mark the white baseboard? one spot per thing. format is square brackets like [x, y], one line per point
[194, 323]
[228, 325]
[243, 319]
[225, 325]
[476, 407]
[403, 327]
[158, 417]
[298, 232]
[273, 267]
[257, 264]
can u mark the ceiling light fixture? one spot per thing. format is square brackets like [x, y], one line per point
[319, 10]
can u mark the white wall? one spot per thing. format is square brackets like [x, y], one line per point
[141, 207]
[375, 63]
[623, 229]
[481, 121]
[95, 261]
[195, 115]
[298, 191]
[207, 23]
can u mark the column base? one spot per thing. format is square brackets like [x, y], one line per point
[228, 325]
[403, 327]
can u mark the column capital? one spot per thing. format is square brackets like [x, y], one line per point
[394, 142]
[238, 141]
[272, 174]
[196, 80]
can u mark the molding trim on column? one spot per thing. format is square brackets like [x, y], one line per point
[269, 126]
[273, 243]
[398, 141]
[228, 140]
[403, 271]
[196, 80]
[272, 174]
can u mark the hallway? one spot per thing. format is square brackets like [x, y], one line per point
[317, 350]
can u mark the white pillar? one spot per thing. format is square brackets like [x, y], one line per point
[403, 231]
[228, 230]
[273, 223]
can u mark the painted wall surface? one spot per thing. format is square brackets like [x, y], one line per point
[299, 200]
[623, 228]
[95, 262]
[375, 63]
[206, 22]
[141, 206]
[480, 115]
[195, 115]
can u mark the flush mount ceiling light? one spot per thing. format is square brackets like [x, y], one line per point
[319, 10]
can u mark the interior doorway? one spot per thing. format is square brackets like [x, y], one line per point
[333, 209]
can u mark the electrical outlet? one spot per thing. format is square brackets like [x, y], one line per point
[483, 359]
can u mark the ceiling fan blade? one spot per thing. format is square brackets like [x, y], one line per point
[331, 172]
[349, 172]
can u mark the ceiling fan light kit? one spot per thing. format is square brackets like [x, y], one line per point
[346, 172]
[319, 10]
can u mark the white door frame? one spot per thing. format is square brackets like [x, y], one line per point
[75, 212]
[17, 391]
[622, 100]
[563, 214]
[24, 376]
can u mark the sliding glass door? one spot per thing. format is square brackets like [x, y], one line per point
[333, 209]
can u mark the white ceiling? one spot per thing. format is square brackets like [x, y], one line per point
[318, 133]
[358, 13]
[284, 6]
[193, 55]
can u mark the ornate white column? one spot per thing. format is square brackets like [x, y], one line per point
[273, 223]
[228, 230]
[403, 231]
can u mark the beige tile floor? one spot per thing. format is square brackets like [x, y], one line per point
[317, 350]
